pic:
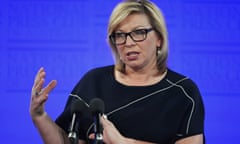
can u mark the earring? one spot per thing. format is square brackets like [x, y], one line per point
[159, 52]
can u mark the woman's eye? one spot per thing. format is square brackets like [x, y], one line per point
[139, 32]
[119, 34]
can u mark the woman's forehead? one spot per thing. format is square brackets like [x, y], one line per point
[134, 21]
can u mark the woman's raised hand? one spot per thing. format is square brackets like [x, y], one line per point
[40, 94]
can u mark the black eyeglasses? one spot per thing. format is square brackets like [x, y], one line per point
[137, 35]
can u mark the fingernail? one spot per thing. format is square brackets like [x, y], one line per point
[104, 116]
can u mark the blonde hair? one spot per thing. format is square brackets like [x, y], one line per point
[155, 16]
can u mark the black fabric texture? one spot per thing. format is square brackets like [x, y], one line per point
[161, 113]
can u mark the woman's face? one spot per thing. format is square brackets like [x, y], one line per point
[141, 54]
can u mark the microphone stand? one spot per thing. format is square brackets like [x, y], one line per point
[73, 134]
[98, 130]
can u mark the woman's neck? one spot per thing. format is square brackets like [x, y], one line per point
[141, 77]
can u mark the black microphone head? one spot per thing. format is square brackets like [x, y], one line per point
[96, 106]
[77, 106]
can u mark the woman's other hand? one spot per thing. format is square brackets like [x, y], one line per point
[39, 94]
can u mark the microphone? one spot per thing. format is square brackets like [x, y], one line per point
[97, 108]
[76, 110]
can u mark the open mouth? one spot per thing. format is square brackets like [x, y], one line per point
[132, 53]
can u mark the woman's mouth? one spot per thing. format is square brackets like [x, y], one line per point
[132, 55]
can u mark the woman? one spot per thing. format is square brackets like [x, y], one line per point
[145, 101]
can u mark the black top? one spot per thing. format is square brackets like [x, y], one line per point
[161, 113]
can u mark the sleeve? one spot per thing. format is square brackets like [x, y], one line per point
[193, 119]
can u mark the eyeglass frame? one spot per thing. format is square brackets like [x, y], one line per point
[147, 30]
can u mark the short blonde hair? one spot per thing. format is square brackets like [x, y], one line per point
[155, 16]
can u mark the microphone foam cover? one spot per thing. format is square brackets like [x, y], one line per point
[77, 106]
[96, 106]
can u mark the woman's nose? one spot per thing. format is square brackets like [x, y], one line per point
[129, 40]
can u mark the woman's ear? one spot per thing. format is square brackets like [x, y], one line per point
[159, 43]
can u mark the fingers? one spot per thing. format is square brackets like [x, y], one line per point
[106, 124]
[45, 92]
[39, 76]
[39, 82]
[37, 89]
[104, 121]
[49, 87]
[39, 94]
[110, 132]
[91, 136]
